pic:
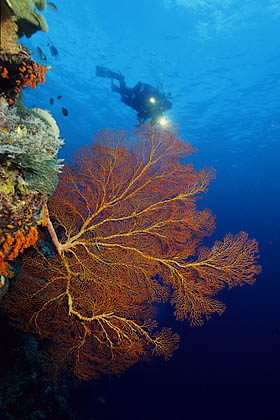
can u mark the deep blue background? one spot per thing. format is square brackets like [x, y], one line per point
[220, 60]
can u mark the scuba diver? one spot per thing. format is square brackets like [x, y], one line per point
[148, 101]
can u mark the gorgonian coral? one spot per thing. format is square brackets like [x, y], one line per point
[128, 237]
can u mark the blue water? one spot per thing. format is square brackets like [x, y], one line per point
[220, 60]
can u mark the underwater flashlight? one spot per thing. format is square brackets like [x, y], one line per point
[163, 121]
[152, 100]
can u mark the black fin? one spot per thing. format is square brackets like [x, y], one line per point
[105, 72]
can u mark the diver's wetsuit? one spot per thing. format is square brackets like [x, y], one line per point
[138, 97]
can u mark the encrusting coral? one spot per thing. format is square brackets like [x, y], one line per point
[21, 211]
[8, 34]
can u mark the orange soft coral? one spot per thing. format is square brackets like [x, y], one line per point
[4, 72]
[13, 243]
[19, 71]
[4, 268]
[32, 73]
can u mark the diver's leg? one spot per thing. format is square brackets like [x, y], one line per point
[103, 71]
[107, 73]
[114, 87]
[118, 76]
[122, 89]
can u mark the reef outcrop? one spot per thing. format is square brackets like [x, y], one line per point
[24, 15]
[29, 138]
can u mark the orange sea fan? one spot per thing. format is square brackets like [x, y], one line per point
[128, 235]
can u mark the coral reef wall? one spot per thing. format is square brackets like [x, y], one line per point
[29, 138]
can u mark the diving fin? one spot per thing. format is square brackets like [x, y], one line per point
[105, 72]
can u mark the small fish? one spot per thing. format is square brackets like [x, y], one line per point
[64, 111]
[59, 97]
[53, 51]
[52, 6]
[51, 101]
[41, 54]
